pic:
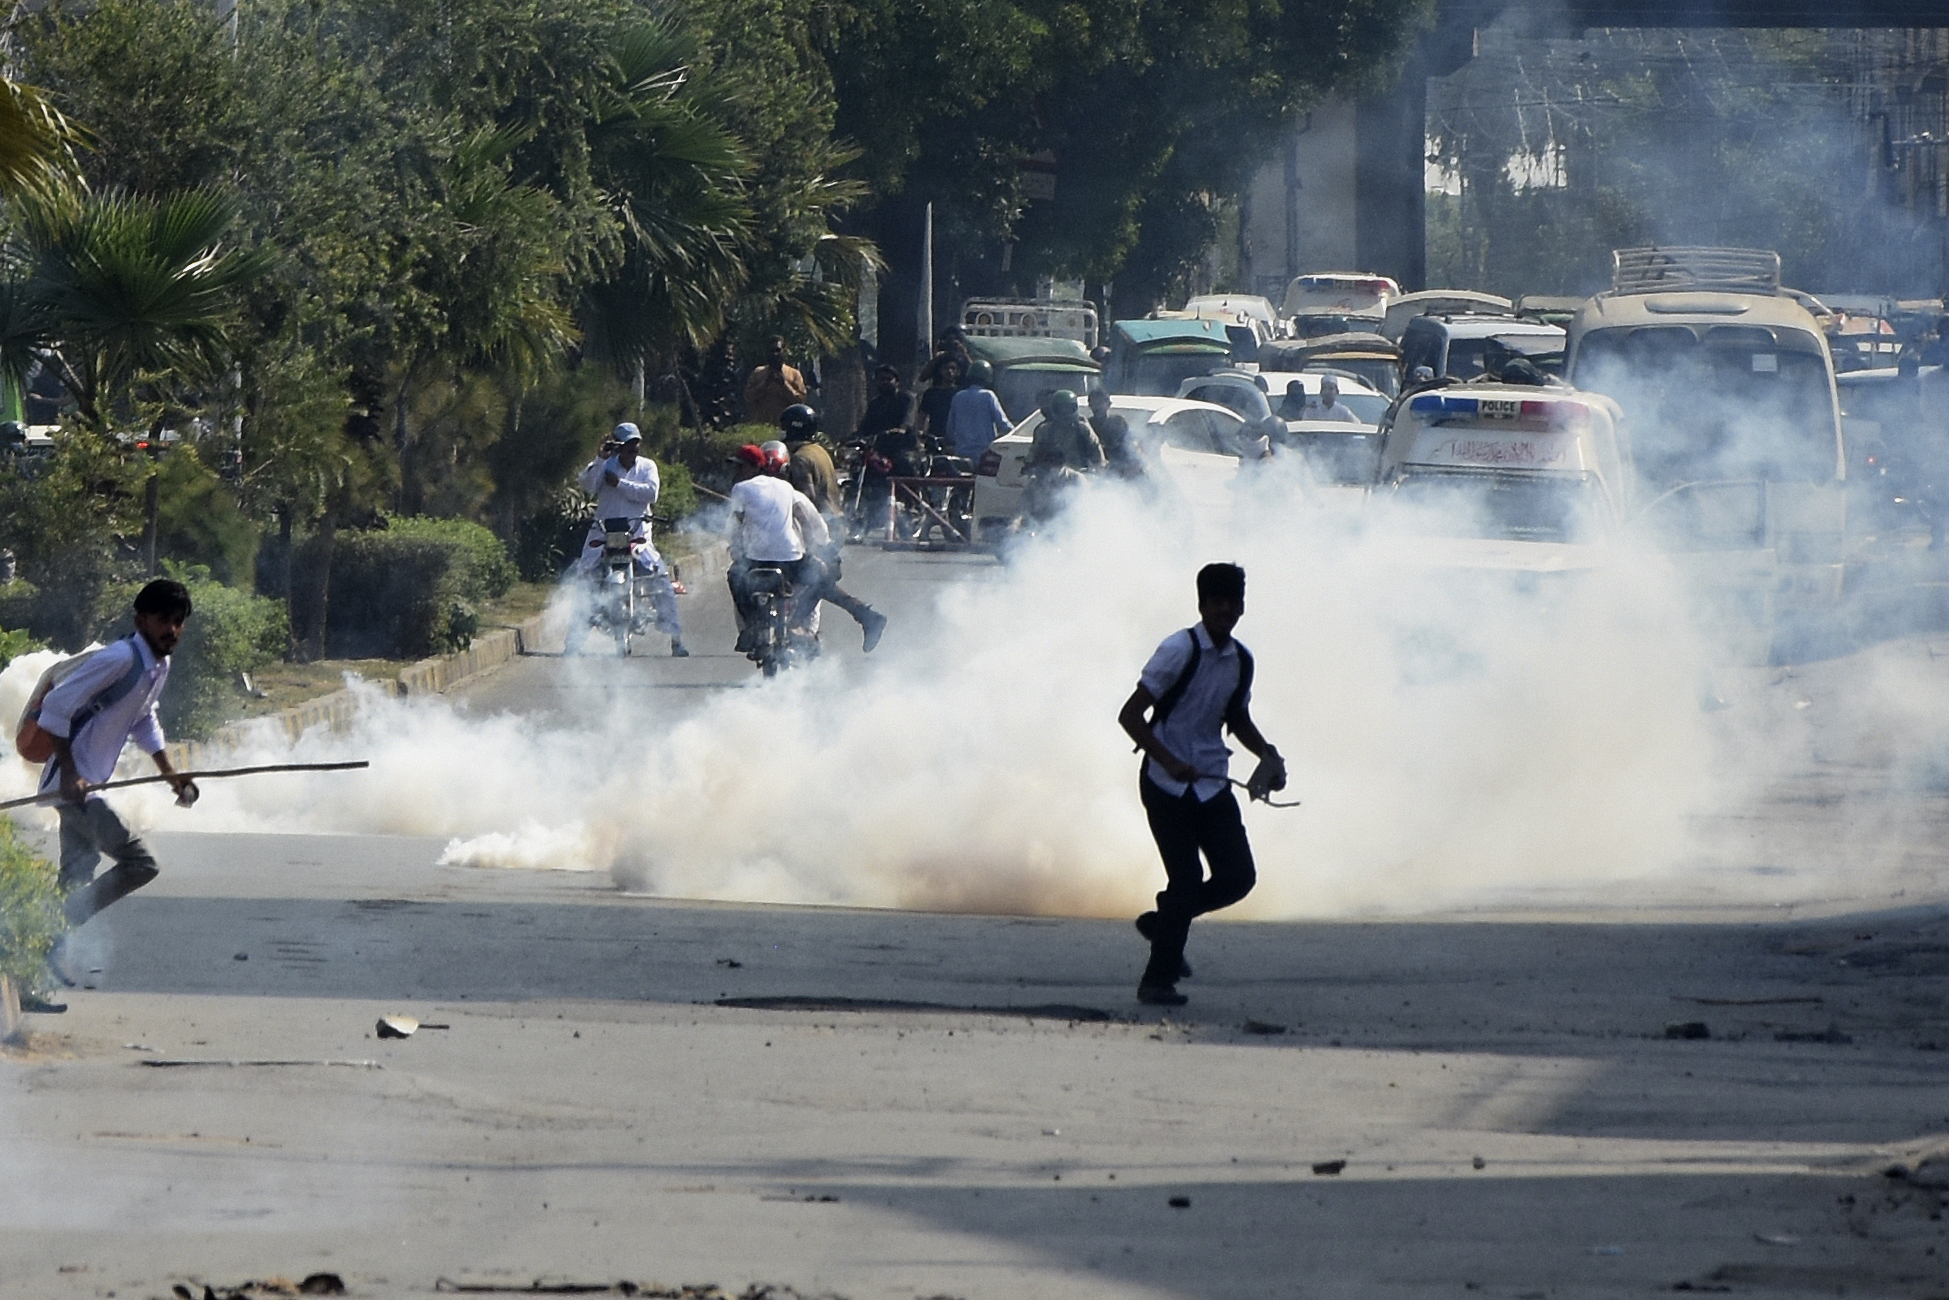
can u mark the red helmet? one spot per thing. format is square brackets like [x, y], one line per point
[777, 456]
[751, 454]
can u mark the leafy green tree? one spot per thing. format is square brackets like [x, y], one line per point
[131, 288]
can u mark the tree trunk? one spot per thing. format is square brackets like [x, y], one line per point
[315, 641]
[845, 394]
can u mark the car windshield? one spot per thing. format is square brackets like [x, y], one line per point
[1500, 507]
[1732, 406]
[1468, 358]
[1158, 374]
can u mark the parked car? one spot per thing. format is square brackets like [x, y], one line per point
[1254, 394]
[1197, 439]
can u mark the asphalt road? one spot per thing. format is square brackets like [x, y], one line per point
[1614, 1092]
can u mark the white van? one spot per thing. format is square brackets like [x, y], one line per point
[1728, 395]
[1338, 302]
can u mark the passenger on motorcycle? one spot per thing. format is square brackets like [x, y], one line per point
[772, 523]
[1063, 449]
[625, 484]
[810, 470]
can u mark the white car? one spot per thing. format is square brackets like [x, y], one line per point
[1254, 394]
[1189, 439]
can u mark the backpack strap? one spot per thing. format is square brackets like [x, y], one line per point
[1235, 707]
[112, 695]
[1175, 691]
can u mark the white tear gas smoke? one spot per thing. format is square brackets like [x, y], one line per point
[1454, 734]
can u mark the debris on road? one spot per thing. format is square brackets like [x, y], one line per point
[211, 1062]
[1688, 1029]
[313, 1284]
[1261, 1027]
[1327, 1167]
[397, 1026]
[1180, 1202]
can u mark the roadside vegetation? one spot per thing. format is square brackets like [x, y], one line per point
[324, 308]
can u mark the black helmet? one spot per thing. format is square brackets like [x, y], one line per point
[799, 422]
[1061, 402]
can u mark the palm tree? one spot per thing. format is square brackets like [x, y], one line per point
[674, 180]
[37, 144]
[123, 286]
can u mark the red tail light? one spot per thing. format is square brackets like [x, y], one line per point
[990, 464]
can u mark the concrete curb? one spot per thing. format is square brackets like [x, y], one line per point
[337, 711]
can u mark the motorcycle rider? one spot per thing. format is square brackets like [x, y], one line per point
[772, 523]
[810, 470]
[1063, 449]
[625, 485]
[1121, 455]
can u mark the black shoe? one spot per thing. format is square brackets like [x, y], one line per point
[1146, 924]
[678, 650]
[1160, 995]
[872, 623]
[747, 642]
[35, 1004]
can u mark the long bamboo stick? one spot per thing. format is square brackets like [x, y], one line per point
[194, 776]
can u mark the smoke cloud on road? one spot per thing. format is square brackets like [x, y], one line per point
[1457, 736]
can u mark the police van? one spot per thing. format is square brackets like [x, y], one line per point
[1513, 476]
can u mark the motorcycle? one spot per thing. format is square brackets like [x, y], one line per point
[618, 593]
[775, 643]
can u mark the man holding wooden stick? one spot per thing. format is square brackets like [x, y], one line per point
[109, 700]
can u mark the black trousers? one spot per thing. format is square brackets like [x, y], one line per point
[1184, 829]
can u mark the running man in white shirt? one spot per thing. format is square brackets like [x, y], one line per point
[625, 484]
[90, 715]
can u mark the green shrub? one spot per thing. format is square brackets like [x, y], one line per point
[231, 632]
[30, 909]
[14, 644]
[486, 573]
[403, 592]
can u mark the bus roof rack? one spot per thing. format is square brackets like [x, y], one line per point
[1664, 270]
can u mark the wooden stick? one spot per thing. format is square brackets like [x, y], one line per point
[195, 776]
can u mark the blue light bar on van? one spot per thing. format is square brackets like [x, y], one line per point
[1442, 404]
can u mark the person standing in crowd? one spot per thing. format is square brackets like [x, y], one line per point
[625, 484]
[772, 386]
[937, 399]
[1197, 682]
[976, 418]
[950, 349]
[90, 715]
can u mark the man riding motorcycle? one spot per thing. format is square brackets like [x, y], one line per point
[625, 485]
[1063, 449]
[774, 524]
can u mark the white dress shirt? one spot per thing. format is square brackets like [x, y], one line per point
[133, 717]
[1193, 729]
